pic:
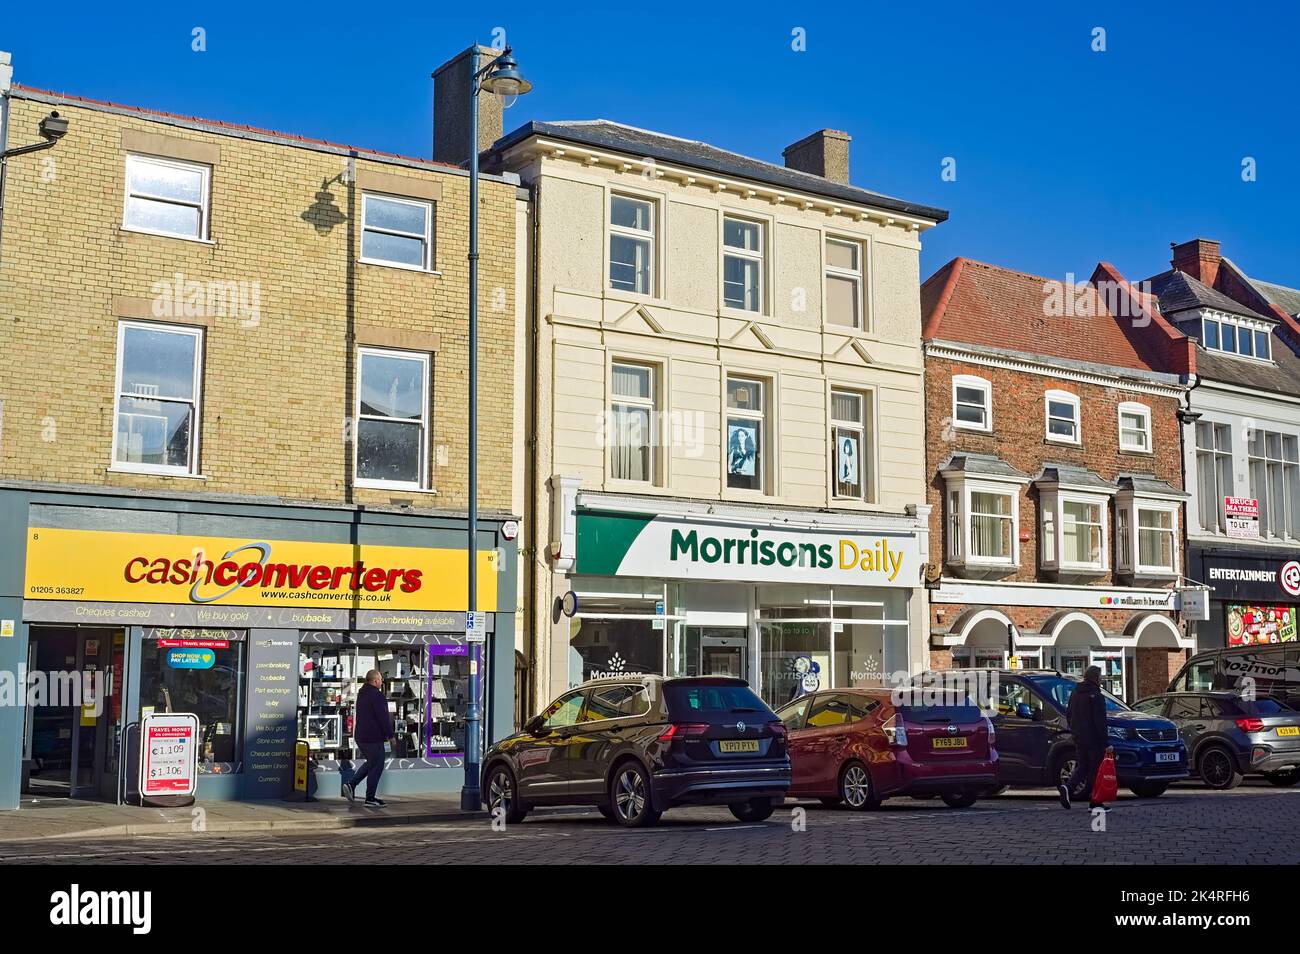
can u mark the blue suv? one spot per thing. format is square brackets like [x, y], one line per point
[1035, 747]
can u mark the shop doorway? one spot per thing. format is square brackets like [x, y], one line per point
[718, 650]
[70, 737]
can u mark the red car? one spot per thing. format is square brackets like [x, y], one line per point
[857, 747]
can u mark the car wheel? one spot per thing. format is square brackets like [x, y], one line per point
[831, 802]
[754, 810]
[959, 799]
[856, 790]
[629, 796]
[1148, 789]
[606, 811]
[1284, 778]
[1218, 768]
[503, 796]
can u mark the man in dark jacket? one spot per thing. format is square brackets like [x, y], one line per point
[1087, 716]
[372, 726]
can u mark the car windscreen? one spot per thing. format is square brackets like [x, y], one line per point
[1059, 690]
[690, 699]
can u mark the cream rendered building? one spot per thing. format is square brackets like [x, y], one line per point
[723, 453]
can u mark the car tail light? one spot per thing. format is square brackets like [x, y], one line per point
[683, 730]
[895, 731]
[1250, 725]
[778, 728]
[993, 733]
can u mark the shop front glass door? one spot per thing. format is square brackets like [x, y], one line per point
[1112, 672]
[723, 651]
[795, 659]
[1073, 663]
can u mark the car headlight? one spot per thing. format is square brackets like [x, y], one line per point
[1119, 732]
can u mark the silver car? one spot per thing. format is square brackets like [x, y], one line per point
[1229, 737]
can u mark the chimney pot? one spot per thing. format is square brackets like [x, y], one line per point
[825, 153]
[451, 104]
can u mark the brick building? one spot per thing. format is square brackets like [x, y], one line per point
[234, 424]
[1055, 479]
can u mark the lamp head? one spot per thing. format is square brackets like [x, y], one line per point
[504, 80]
[53, 126]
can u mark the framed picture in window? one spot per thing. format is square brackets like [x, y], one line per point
[742, 448]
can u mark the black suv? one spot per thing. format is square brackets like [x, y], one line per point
[638, 745]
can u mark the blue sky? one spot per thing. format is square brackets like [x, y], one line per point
[1063, 155]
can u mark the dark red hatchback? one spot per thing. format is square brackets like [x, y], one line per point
[858, 747]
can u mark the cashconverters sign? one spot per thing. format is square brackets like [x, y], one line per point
[100, 565]
[670, 547]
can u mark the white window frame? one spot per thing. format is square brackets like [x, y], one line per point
[857, 276]
[651, 237]
[957, 546]
[1290, 518]
[426, 361]
[192, 468]
[1129, 507]
[425, 205]
[1133, 407]
[1215, 456]
[765, 468]
[982, 384]
[865, 429]
[760, 257]
[204, 204]
[1236, 324]
[651, 405]
[1052, 530]
[1067, 398]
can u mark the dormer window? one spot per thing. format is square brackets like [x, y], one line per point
[1231, 334]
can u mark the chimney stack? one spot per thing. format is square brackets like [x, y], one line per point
[1199, 258]
[825, 153]
[451, 105]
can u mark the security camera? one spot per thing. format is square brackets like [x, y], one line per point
[53, 126]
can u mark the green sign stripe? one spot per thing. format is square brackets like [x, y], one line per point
[605, 538]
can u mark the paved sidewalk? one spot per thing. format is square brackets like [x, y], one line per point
[39, 818]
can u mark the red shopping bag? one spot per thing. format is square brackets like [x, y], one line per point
[1105, 788]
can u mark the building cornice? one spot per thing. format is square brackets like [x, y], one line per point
[1129, 379]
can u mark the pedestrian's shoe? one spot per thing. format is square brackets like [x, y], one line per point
[349, 792]
[375, 803]
[1064, 793]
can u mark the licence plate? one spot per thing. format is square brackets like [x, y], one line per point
[1288, 730]
[944, 742]
[1166, 756]
[738, 745]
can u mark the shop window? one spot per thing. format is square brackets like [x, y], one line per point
[392, 419]
[1213, 473]
[204, 676]
[166, 197]
[1134, 428]
[426, 687]
[844, 298]
[742, 264]
[1062, 409]
[746, 434]
[396, 232]
[632, 244]
[156, 429]
[621, 627]
[851, 445]
[632, 422]
[1275, 482]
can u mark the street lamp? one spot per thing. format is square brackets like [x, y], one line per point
[52, 128]
[502, 78]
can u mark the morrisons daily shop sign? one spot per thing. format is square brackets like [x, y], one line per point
[629, 544]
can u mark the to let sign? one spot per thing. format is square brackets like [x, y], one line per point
[1241, 516]
[169, 754]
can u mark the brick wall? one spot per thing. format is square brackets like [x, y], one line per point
[274, 390]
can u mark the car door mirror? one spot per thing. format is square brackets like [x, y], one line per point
[534, 725]
[1024, 711]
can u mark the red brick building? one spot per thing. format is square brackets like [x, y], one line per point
[1054, 458]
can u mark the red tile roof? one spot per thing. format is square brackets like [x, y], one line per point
[986, 305]
[218, 126]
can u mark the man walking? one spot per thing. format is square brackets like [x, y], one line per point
[1087, 716]
[372, 727]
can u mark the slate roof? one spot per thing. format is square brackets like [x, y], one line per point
[1077, 477]
[1147, 484]
[607, 134]
[981, 465]
[1288, 299]
[1179, 292]
[975, 303]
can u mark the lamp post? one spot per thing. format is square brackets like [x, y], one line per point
[500, 77]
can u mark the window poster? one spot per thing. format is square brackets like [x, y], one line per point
[1258, 625]
[742, 448]
[847, 467]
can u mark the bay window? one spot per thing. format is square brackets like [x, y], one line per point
[1146, 529]
[1074, 506]
[983, 523]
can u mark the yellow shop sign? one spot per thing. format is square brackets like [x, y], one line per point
[99, 565]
